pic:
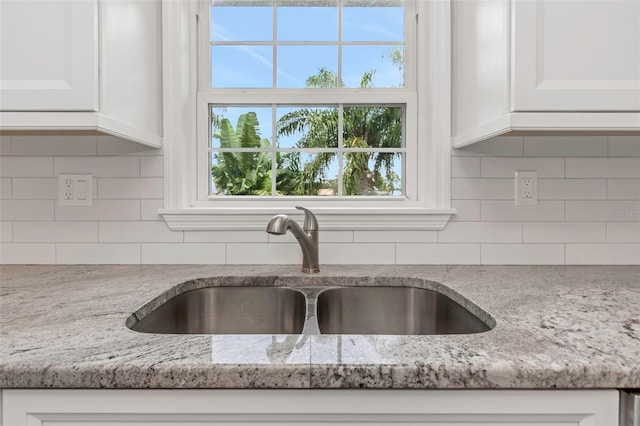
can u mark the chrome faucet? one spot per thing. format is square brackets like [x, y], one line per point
[307, 237]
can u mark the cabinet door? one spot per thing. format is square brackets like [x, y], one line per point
[359, 407]
[576, 55]
[48, 55]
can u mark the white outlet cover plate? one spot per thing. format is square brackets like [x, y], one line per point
[519, 188]
[78, 199]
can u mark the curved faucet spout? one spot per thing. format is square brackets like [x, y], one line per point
[307, 237]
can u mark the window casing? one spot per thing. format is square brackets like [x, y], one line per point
[424, 202]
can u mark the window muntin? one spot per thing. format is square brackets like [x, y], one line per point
[360, 70]
[280, 43]
[340, 150]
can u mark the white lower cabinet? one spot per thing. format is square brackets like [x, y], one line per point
[310, 407]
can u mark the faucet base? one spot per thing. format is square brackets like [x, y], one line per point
[310, 270]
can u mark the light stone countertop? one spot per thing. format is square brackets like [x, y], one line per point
[557, 327]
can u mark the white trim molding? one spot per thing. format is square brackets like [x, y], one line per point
[427, 207]
[356, 219]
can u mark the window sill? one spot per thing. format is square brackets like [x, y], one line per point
[370, 219]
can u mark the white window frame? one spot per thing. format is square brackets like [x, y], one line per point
[426, 204]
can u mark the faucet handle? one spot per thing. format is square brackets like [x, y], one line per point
[310, 221]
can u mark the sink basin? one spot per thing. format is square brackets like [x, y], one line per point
[393, 310]
[228, 310]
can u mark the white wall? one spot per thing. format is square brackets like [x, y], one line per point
[588, 213]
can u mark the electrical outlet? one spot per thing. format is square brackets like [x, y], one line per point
[526, 188]
[75, 190]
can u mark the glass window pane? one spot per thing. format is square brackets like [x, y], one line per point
[241, 66]
[241, 127]
[372, 173]
[307, 127]
[311, 20]
[372, 66]
[241, 173]
[372, 22]
[372, 127]
[241, 23]
[307, 66]
[301, 173]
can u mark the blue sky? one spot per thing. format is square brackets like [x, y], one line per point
[252, 65]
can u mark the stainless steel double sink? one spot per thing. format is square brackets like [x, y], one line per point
[390, 310]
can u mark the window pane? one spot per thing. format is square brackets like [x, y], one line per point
[309, 20]
[377, 173]
[307, 127]
[373, 127]
[307, 66]
[241, 127]
[307, 174]
[241, 173]
[383, 63]
[241, 66]
[241, 23]
[373, 22]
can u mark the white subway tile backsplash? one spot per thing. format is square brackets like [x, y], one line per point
[624, 146]
[438, 254]
[225, 237]
[324, 237]
[565, 146]
[184, 253]
[152, 166]
[572, 189]
[465, 167]
[395, 236]
[623, 232]
[364, 254]
[564, 232]
[6, 232]
[545, 211]
[482, 189]
[26, 167]
[80, 254]
[26, 210]
[270, 254]
[603, 168]
[149, 209]
[501, 146]
[590, 216]
[29, 254]
[99, 166]
[495, 167]
[101, 210]
[467, 210]
[35, 188]
[138, 232]
[55, 232]
[522, 254]
[53, 145]
[5, 189]
[130, 188]
[5, 145]
[603, 254]
[481, 232]
[623, 189]
[603, 211]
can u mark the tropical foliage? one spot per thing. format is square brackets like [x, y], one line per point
[364, 127]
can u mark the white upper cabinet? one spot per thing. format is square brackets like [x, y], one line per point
[48, 58]
[94, 65]
[545, 66]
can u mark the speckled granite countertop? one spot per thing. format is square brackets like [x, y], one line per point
[557, 327]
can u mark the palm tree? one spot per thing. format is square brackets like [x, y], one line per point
[241, 173]
[363, 127]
